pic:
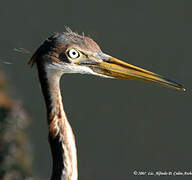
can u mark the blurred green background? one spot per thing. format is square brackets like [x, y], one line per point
[120, 125]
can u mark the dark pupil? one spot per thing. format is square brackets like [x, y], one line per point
[74, 53]
[63, 57]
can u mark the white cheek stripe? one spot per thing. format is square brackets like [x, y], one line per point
[72, 68]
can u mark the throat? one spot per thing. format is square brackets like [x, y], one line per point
[61, 138]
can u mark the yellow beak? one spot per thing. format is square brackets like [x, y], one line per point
[113, 67]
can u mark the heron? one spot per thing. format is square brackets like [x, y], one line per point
[69, 52]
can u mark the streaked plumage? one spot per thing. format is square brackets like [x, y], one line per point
[69, 52]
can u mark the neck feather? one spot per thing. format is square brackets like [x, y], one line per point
[61, 138]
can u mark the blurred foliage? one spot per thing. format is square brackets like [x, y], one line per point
[15, 153]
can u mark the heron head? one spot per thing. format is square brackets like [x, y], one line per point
[69, 52]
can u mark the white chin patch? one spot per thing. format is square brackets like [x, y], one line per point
[72, 68]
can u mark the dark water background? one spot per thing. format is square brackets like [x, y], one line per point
[120, 126]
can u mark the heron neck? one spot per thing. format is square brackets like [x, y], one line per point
[61, 138]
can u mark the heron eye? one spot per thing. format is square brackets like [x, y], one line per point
[73, 53]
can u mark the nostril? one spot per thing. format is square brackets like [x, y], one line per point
[64, 58]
